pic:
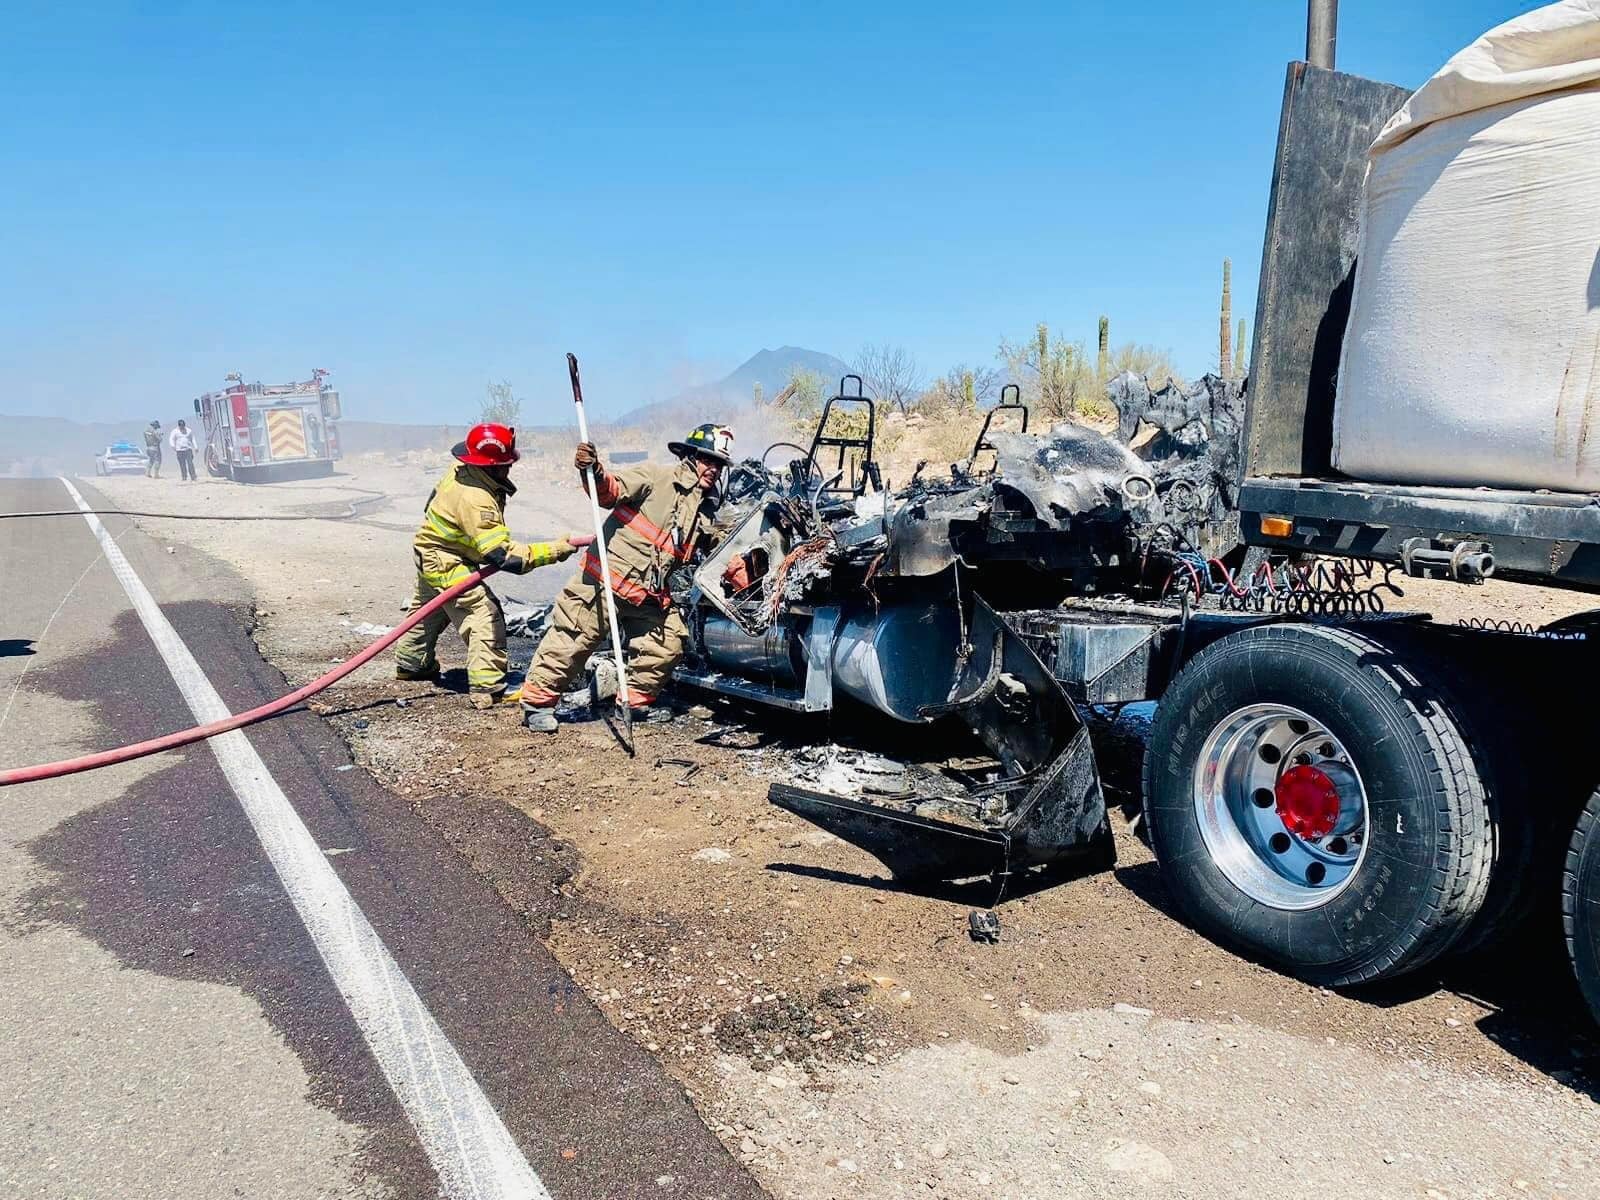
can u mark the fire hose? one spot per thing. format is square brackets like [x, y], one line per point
[351, 510]
[199, 733]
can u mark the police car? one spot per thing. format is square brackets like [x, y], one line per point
[120, 458]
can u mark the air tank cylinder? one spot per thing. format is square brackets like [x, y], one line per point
[899, 658]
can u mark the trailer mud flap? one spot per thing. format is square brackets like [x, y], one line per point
[1044, 806]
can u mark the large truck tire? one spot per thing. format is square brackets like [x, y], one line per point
[1312, 801]
[1580, 902]
[1528, 694]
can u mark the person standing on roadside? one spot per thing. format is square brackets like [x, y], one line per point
[152, 451]
[182, 439]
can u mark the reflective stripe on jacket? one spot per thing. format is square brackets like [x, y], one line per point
[658, 512]
[464, 526]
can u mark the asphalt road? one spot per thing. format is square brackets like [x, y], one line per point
[172, 1028]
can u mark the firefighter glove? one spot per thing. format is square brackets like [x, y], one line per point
[737, 576]
[586, 457]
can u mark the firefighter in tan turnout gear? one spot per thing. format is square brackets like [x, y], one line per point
[464, 527]
[659, 512]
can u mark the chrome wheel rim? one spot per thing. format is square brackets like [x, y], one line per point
[1281, 807]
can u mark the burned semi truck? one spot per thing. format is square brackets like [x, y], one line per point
[966, 598]
[1341, 790]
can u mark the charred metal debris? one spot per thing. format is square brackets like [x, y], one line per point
[1049, 571]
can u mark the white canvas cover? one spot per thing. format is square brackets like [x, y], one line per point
[1472, 356]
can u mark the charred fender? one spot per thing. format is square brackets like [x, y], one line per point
[1043, 805]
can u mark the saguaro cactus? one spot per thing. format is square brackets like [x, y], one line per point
[1102, 360]
[1225, 359]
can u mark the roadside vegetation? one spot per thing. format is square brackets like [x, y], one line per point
[934, 418]
[923, 416]
[501, 405]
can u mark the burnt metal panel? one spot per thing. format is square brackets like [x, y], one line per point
[739, 688]
[1114, 653]
[1329, 120]
[1049, 808]
[1102, 656]
[1111, 663]
[913, 847]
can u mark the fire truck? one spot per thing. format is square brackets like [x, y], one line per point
[260, 433]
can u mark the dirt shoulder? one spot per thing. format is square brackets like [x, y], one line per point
[845, 1037]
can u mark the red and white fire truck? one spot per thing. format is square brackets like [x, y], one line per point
[258, 433]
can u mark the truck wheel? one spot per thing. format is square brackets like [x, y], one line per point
[215, 467]
[1535, 795]
[1580, 902]
[1311, 800]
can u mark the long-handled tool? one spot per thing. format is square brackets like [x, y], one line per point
[605, 559]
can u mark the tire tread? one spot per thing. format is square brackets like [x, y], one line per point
[1580, 870]
[1463, 862]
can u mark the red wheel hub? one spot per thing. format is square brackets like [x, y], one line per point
[1308, 803]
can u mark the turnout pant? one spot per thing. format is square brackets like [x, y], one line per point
[653, 637]
[186, 463]
[477, 616]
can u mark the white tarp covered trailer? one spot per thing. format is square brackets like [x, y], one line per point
[1472, 354]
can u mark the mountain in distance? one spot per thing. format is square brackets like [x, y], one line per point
[770, 368]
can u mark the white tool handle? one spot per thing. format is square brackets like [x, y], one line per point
[605, 570]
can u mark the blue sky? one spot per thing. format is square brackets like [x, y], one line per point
[424, 198]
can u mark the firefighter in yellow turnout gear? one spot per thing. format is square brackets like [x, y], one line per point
[463, 528]
[659, 512]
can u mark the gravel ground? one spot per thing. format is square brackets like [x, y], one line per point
[845, 1036]
[1122, 1104]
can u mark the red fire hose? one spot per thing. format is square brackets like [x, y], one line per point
[106, 758]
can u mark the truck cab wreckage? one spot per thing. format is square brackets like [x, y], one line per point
[1001, 595]
[1345, 793]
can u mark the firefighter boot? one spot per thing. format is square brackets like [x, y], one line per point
[651, 715]
[539, 720]
[645, 709]
[539, 709]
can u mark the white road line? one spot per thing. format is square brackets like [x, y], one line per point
[463, 1136]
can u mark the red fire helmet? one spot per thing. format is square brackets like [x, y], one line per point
[488, 445]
